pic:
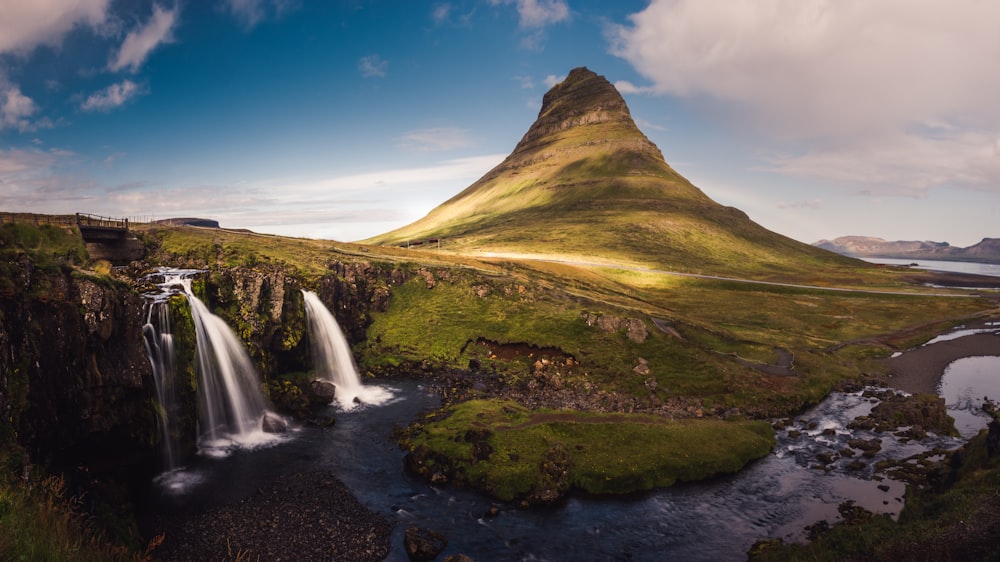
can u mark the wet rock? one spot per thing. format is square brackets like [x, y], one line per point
[423, 545]
[817, 529]
[322, 391]
[868, 447]
[853, 514]
[926, 411]
[856, 465]
[273, 423]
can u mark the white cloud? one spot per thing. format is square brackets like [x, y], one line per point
[251, 12]
[441, 13]
[626, 87]
[111, 97]
[141, 41]
[372, 66]
[435, 139]
[552, 80]
[538, 13]
[15, 109]
[897, 93]
[810, 204]
[26, 24]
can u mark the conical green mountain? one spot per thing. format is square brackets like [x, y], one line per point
[584, 183]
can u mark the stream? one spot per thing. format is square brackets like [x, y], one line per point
[816, 464]
[719, 520]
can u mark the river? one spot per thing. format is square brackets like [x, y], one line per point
[719, 520]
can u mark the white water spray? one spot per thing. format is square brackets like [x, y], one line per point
[333, 360]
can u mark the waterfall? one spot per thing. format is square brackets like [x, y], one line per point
[230, 402]
[160, 349]
[231, 406]
[332, 357]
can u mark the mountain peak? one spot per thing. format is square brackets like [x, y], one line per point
[584, 183]
[583, 98]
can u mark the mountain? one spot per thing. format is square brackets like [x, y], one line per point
[585, 183]
[986, 251]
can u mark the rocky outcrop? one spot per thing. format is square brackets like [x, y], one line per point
[74, 373]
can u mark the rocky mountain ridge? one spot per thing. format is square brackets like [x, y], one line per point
[985, 251]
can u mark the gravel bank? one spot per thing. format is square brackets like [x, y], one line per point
[919, 370]
[304, 516]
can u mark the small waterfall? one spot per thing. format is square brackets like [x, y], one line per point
[332, 357]
[160, 349]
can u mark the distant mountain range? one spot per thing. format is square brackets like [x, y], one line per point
[584, 183]
[986, 251]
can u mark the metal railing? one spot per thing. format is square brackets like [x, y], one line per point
[87, 219]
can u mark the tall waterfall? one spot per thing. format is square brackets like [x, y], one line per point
[160, 349]
[230, 402]
[332, 357]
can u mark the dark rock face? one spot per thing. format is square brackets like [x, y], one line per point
[74, 370]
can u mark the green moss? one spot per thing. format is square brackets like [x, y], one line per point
[514, 453]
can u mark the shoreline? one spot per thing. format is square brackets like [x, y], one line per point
[919, 370]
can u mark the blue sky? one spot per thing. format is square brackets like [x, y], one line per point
[347, 118]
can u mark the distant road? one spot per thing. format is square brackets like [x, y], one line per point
[529, 257]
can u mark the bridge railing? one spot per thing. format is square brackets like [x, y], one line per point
[87, 219]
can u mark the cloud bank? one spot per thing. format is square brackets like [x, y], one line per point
[29, 23]
[896, 94]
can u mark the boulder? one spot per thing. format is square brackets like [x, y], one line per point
[273, 423]
[423, 545]
[322, 391]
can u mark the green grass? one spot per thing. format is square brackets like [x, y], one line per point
[533, 450]
[49, 248]
[40, 521]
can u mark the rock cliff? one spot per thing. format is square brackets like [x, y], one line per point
[74, 375]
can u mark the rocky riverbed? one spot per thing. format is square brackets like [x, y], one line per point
[302, 516]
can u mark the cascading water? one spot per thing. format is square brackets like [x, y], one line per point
[332, 357]
[231, 406]
[160, 349]
[230, 403]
